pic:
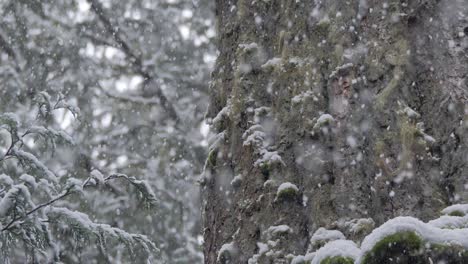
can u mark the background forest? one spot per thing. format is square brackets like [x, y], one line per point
[101, 129]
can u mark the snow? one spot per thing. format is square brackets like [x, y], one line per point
[357, 225]
[95, 174]
[10, 119]
[260, 112]
[215, 141]
[279, 229]
[463, 208]
[222, 115]
[286, 186]
[12, 197]
[50, 132]
[272, 63]
[343, 248]
[33, 161]
[236, 181]
[302, 96]
[6, 180]
[262, 249]
[248, 46]
[427, 232]
[323, 119]
[429, 138]
[307, 258]
[63, 135]
[452, 222]
[83, 221]
[252, 137]
[351, 141]
[75, 185]
[29, 179]
[38, 130]
[8, 201]
[255, 138]
[269, 157]
[411, 113]
[297, 61]
[228, 249]
[340, 68]
[324, 235]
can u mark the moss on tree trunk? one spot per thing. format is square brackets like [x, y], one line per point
[391, 74]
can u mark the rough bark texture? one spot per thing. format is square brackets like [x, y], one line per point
[393, 74]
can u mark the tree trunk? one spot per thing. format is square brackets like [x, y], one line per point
[360, 104]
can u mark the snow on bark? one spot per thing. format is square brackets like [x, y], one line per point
[337, 248]
[427, 232]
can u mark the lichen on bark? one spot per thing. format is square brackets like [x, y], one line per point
[361, 62]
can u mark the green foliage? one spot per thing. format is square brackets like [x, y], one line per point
[9, 121]
[145, 190]
[456, 213]
[407, 247]
[403, 247]
[287, 193]
[265, 168]
[447, 254]
[82, 225]
[337, 260]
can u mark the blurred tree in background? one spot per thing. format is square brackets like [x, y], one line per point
[130, 78]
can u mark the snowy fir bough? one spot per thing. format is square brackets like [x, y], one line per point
[39, 214]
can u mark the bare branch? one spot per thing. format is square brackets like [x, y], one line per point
[135, 59]
[9, 51]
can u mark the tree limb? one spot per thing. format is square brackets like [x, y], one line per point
[15, 219]
[135, 59]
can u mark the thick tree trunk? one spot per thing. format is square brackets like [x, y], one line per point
[361, 104]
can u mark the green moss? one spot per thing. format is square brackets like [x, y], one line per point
[408, 133]
[398, 55]
[212, 157]
[384, 95]
[403, 247]
[379, 147]
[322, 27]
[338, 54]
[447, 254]
[242, 10]
[407, 247]
[456, 213]
[281, 41]
[265, 169]
[337, 260]
[238, 94]
[287, 194]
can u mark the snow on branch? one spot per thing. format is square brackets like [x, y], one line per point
[81, 221]
[141, 185]
[31, 161]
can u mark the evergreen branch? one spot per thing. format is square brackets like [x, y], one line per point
[16, 219]
[142, 186]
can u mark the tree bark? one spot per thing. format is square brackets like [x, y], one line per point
[361, 104]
